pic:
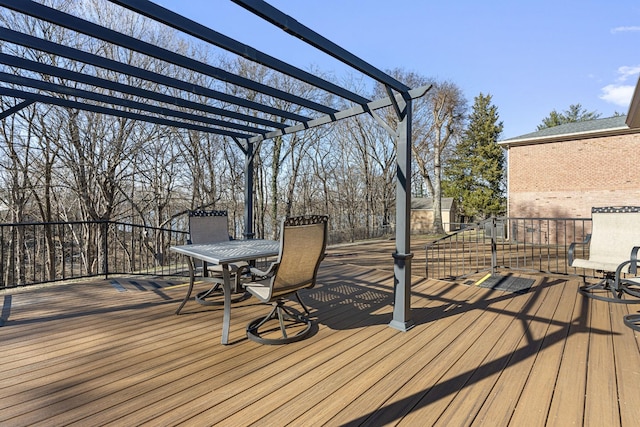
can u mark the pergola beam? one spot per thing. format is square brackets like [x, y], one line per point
[90, 80]
[296, 29]
[119, 67]
[350, 112]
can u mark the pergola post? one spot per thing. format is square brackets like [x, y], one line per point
[248, 190]
[402, 256]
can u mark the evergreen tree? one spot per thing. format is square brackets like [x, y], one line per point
[475, 173]
[575, 113]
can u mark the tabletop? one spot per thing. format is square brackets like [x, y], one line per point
[230, 251]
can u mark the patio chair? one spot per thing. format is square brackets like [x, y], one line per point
[613, 251]
[209, 227]
[303, 241]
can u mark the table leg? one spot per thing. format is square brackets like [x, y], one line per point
[226, 319]
[191, 281]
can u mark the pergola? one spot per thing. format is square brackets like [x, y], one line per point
[247, 130]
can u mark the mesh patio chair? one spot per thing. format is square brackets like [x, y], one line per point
[612, 247]
[303, 241]
[209, 227]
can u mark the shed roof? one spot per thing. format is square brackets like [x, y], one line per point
[426, 203]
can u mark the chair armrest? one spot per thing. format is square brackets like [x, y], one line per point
[633, 267]
[263, 274]
[572, 248]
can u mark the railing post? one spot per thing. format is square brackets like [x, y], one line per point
[105, 248]
[2, 259]
[494, 246]
[426, 261]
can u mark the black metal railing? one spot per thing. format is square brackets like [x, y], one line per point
[526, 244]
[41, 252]
[32, 253]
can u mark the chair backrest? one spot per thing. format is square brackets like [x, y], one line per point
[208, 226]
[614, 232]
[303, 240]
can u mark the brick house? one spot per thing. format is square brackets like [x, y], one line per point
[565, 170]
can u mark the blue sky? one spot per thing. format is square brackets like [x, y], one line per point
[531, 56]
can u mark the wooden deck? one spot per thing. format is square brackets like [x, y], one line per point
[111, 352]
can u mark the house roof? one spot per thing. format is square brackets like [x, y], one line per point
[577, 130]
[427, 203]
[617, 125]
[633, 116]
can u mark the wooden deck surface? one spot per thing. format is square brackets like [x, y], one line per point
[111, 352]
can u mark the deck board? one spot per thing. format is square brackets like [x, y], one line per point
[601, 394]
[627, 364]
[533, 403]
[529, 327]
[91, 353]
[356, 378]
[440, 352]
[567, 405]
[480, 366]
[371, 390]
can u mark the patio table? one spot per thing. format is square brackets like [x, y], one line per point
[225, 253]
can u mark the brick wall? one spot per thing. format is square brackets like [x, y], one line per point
[565, 179]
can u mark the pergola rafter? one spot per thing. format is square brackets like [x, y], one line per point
[130, 70]
[198, 113]
[187, 26]
[109, 99]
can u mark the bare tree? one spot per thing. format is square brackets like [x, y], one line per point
[28, 146]
[17, 151]
[277, 160]
[94, 155]
[375, 150]
[434, 133]
[438, 120]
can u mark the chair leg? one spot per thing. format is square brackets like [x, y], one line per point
[272, 315]
[306, 310]
[283, 329]
[191, 282]
[632, 321]
[630, 287]
[283, 314]
[216, 290]
[606, 290]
